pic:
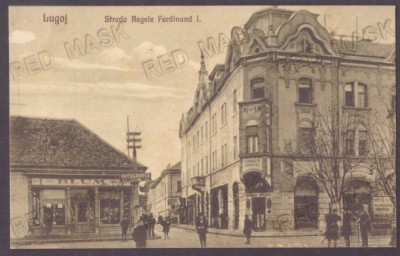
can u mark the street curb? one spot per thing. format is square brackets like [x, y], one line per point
[68, 240]
[254, 234]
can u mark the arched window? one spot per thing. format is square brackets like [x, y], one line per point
[305, 90]
[257, 88]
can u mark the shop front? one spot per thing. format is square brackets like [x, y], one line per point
[219, 207]
[258, 191]
[306, 203]
[76, 206]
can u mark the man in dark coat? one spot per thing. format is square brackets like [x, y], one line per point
[139, 234]
[332, 228]
[124, 226]
[201, 227]
[346, 227]
[365, 225]
[151, 223]
[248, 224]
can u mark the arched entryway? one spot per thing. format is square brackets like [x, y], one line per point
[357, 195]
[255, 184]
[306, 203]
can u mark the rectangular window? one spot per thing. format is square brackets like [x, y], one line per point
[234, 147]
[258, 92]
[305, 93]
[202, 166]
[362, 96]
[362, 143]
[178, 186]
[252, 144]
[54, 212]
[350, 142]
[222, 156]
[206, 165]
[201, 135]
[349, 95]
[198, 139]
[226, 154]
[234, 101]
[206, 130]
[109, 207]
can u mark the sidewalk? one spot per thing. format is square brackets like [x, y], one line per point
[73, 238]
[267, 233]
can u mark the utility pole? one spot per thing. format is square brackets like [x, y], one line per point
[133, 142]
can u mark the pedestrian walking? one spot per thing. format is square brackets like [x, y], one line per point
[201, 227]
[248, 224]
[151, 223]
[139, 234]
[346, 227]
[166, 224]
[124, 226]
[160, 220]
[365, 225]
[332, 228]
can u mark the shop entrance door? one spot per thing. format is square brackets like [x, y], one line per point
[82, 203]
[259, 213]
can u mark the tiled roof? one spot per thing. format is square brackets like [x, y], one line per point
[61, 144]
[366, 48]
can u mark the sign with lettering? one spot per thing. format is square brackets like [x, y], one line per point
[79, 182]
[252, 164]
[137, 176]
[382, 206]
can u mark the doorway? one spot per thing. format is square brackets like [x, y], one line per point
[83, 211]
[258, 213]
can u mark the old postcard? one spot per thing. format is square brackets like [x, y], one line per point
[202, 126]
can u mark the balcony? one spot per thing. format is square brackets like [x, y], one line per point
[198, 183]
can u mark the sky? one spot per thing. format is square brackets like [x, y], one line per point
[107, 82]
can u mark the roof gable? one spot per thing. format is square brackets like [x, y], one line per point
[301, 20]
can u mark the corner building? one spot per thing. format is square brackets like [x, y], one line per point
[249, 112]
[62, 172]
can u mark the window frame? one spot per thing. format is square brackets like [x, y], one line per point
[305, 85]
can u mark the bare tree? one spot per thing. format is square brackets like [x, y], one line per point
[325, 152]
[382, 149]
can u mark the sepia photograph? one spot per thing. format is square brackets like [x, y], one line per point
[202, 126]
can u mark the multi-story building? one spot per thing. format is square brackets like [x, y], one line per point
[165, 193]
[63, 174]
[251, 113]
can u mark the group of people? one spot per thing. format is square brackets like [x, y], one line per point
[332, 227]
[145, 228]
[141, 231]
